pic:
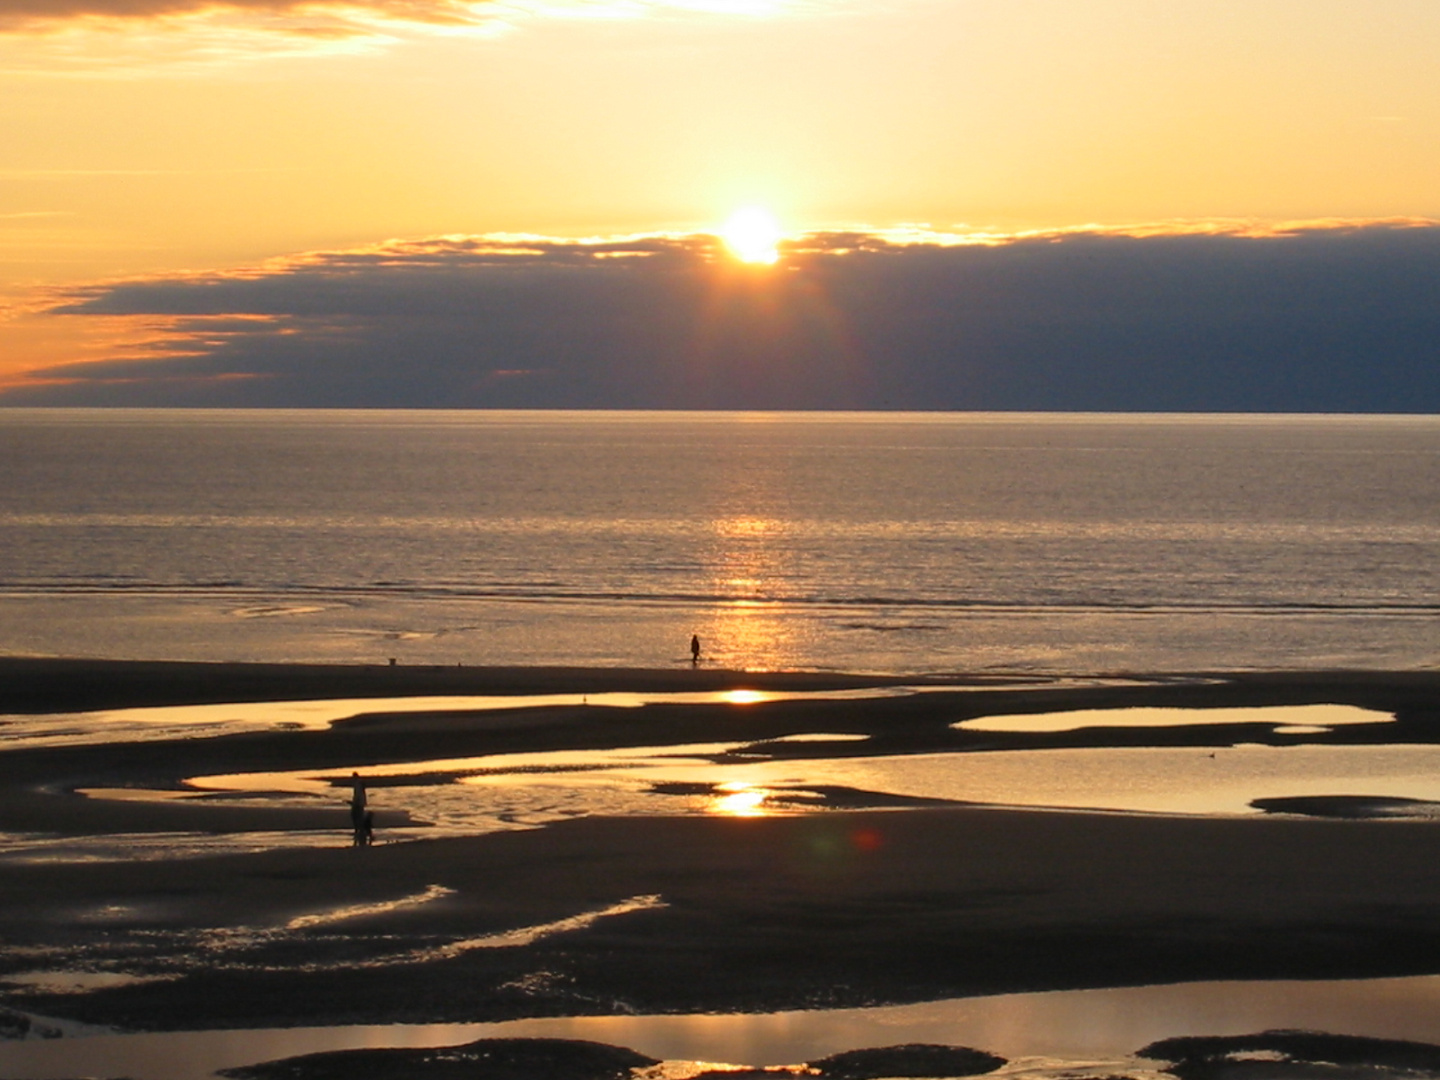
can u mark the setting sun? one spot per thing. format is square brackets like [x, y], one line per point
[752, 235]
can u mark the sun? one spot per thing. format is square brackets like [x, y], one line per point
[752, 234]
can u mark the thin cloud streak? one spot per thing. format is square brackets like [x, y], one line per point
[124, 39]
[32, 174]
[1239, 316]
[30, 14]
[111, 38]
[439, 12]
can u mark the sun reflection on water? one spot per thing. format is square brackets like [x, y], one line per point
[736, 798]
[743, 697]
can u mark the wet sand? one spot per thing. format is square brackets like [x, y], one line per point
[603, 915]
[39, 684]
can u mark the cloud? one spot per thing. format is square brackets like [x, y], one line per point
[16, 13]
[178, 37]
[35, 14]
[123, 37]
[20, 12]
[16, 10]
[1323, 317]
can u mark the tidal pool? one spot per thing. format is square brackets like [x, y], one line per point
[1295, 719]
[509, 790]
[815, 771]
[1044, 1034]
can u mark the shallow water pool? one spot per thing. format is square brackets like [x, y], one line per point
[1043, 1033]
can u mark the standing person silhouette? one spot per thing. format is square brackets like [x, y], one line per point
[694, 649]
[358, 812]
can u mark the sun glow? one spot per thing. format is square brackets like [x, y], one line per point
[735, 798]
[744, 697]
[752, 234]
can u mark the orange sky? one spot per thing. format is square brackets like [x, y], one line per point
[194, 137]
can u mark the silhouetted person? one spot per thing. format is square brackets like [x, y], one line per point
[357, 804]
[694, 649]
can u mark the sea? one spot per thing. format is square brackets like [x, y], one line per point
[875, 542]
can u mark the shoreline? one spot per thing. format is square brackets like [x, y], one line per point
[671, 914]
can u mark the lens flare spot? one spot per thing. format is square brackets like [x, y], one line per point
[867, 839]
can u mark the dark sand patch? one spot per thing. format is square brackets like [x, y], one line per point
[484, 1059]
[1294, 1055]
[812, 796]
[16, 1025]
[1353, 807]
[566, 1059]
[912, 1059]
[44, 685]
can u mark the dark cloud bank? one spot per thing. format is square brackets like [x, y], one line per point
[1334, 319]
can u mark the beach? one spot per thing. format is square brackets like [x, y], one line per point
[825, 898]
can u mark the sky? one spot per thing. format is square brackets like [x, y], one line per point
[1051, 204]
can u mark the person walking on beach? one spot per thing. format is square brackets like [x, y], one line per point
[694, 649]
[358, 811]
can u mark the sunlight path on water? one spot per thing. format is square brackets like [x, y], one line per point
[360, 911]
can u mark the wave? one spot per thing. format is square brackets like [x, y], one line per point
[265, 597]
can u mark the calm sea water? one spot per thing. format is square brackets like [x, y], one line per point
[883, 542]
